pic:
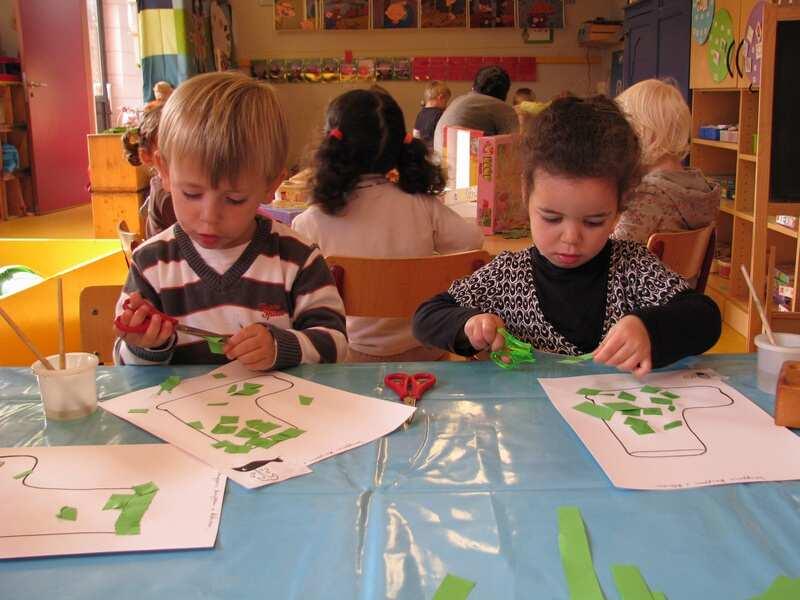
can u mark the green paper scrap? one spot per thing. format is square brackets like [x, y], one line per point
[220, 444]
[606, 393]
[627, 396]
[145, 488]
[664, 401]
[630, 583]
[23, 474]
[652, 411]
[196, 425]
[262, 442]
[224, 429]
[305, 400]
[215, 344]
[576, 556]
[640, 426]
[218, 404]
[261, 426]
[232, 389]
[587, 392]
[169, 383]
[133, 507]
[228, 420]
[673, 425]
[659, 596]
[573, 360]
[649, 389]
[139, 411]
[669, 395]
[237, 449]
[453, 588]
[672, 408]
[621, 406]
[246, 432]
[248, 389]
[632, 412]
[219, 375]
[291, 432]
[783, 588]
[117, 501]
[595, 410]
[68, 513]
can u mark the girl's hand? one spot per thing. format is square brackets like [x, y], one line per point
[158, 332]
[481, 330]
[627, 347]
[253, 346]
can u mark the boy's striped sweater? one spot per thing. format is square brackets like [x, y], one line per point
[279, 281]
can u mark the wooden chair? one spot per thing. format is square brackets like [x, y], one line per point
[688, 253]
[128, 239]
[395, 287]
[97, 305]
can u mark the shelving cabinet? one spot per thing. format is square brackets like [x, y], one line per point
[17, 194]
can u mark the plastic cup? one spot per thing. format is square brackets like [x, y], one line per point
[69, 393]
[771, 357]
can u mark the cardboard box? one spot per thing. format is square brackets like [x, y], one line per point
[501, 206]
[461, 156]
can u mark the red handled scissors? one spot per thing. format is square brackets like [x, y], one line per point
[410, 388]
[142, 327]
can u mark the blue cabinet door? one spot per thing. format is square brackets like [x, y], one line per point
[641, 46]
[674, 42]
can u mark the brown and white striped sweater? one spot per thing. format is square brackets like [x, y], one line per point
[279, 281]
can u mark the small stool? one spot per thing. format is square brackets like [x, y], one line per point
[787, 395]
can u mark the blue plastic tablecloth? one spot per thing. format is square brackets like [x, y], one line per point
[471, 489]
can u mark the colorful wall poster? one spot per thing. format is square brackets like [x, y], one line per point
[346, 14]
[394, 14]
[491, 13]
[294, 15]
[541, 14]
[444, 13]
[702, 18]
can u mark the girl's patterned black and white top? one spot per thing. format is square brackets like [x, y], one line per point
[625, 278]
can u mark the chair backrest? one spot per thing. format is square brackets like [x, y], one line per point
[688, 253]
[97, 305]
[128, 239]
[395, 287]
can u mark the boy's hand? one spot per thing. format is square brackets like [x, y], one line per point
[158, 332]
[627, 347]
[481, 330]
[253, 346]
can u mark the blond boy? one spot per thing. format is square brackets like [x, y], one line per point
[222, 146]
[436, 97]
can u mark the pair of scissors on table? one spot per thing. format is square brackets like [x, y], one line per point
[142, 327]
[410, 388]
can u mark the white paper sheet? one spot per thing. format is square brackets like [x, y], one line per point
[35, 483]
[334, 421]
[723, 437]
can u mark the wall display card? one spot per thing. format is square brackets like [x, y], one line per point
[541, 14]
[312, 70]
[443, 13]
[293, 68]
[674, 430]
[90, 499]
[277, 71]
[345, 14]
[260, 69]
[330, 70]
[365, 69]
[491, 13]
[348, 71]
[258, 428]
[402, 69]
[384, 69]
[394, 14]
[295, 15]
[702, 18]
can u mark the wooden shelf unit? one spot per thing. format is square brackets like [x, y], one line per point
[17, 192]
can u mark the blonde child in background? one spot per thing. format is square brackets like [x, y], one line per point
[670, 196]
[523, 94]
[437, 95]
[374, 195]
[140, 146]
[161, 91]
[222, 148]
[575, 291]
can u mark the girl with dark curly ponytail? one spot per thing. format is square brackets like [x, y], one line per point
[374, 194]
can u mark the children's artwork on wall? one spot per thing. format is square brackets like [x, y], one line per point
[348, 71]
[346, 14]
[384, 69]
[276, 70]
[443, 13]
[330, 70]
[89, 499]
[394, 14]
[200, 37]
[293, 68]
[491, 13]
[541, 14]
[720, 45]
[365, 69]
[702, 18]
[294, 15]
[312, 70]
[221, 34]
[402, 69]
[260, 69]
[258, 428]
[753, 43]
[674, 430]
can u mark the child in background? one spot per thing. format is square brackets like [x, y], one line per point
[524, 94]
[222, 147]
[140, 146]
[669, 197]
[161, 91]
[373, 195]
[437, 95]
[575, 291]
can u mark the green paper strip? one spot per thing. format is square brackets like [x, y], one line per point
[236, 449]
[572, 360]
[576, 557]
[232, 389]
[606, 393]
[169, 383]
[196, 425]
[218, 404]
[219, 376]
[224, 429]
[23, 474]
[672, 408]
[292, 432]
[453, 588]
[630, 583]
[215, 344]
[633, 412]
[627, 396]
[659, 596]
[620, 406]
[228, 420]
[635, 421]
[132, 507]
[587, 392]
[68, 513]
[664, 401]
[639, 426]
[117, 501]
[305, 400]
[247, 391]
[595, 410]
[261, 426]
[145, 488]
[139, 411]
[652, 411]
[783, 588]
[220, 444]
[669, 395]
[262, 442]
[246, 432]
[649, 389]
[673, 425]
